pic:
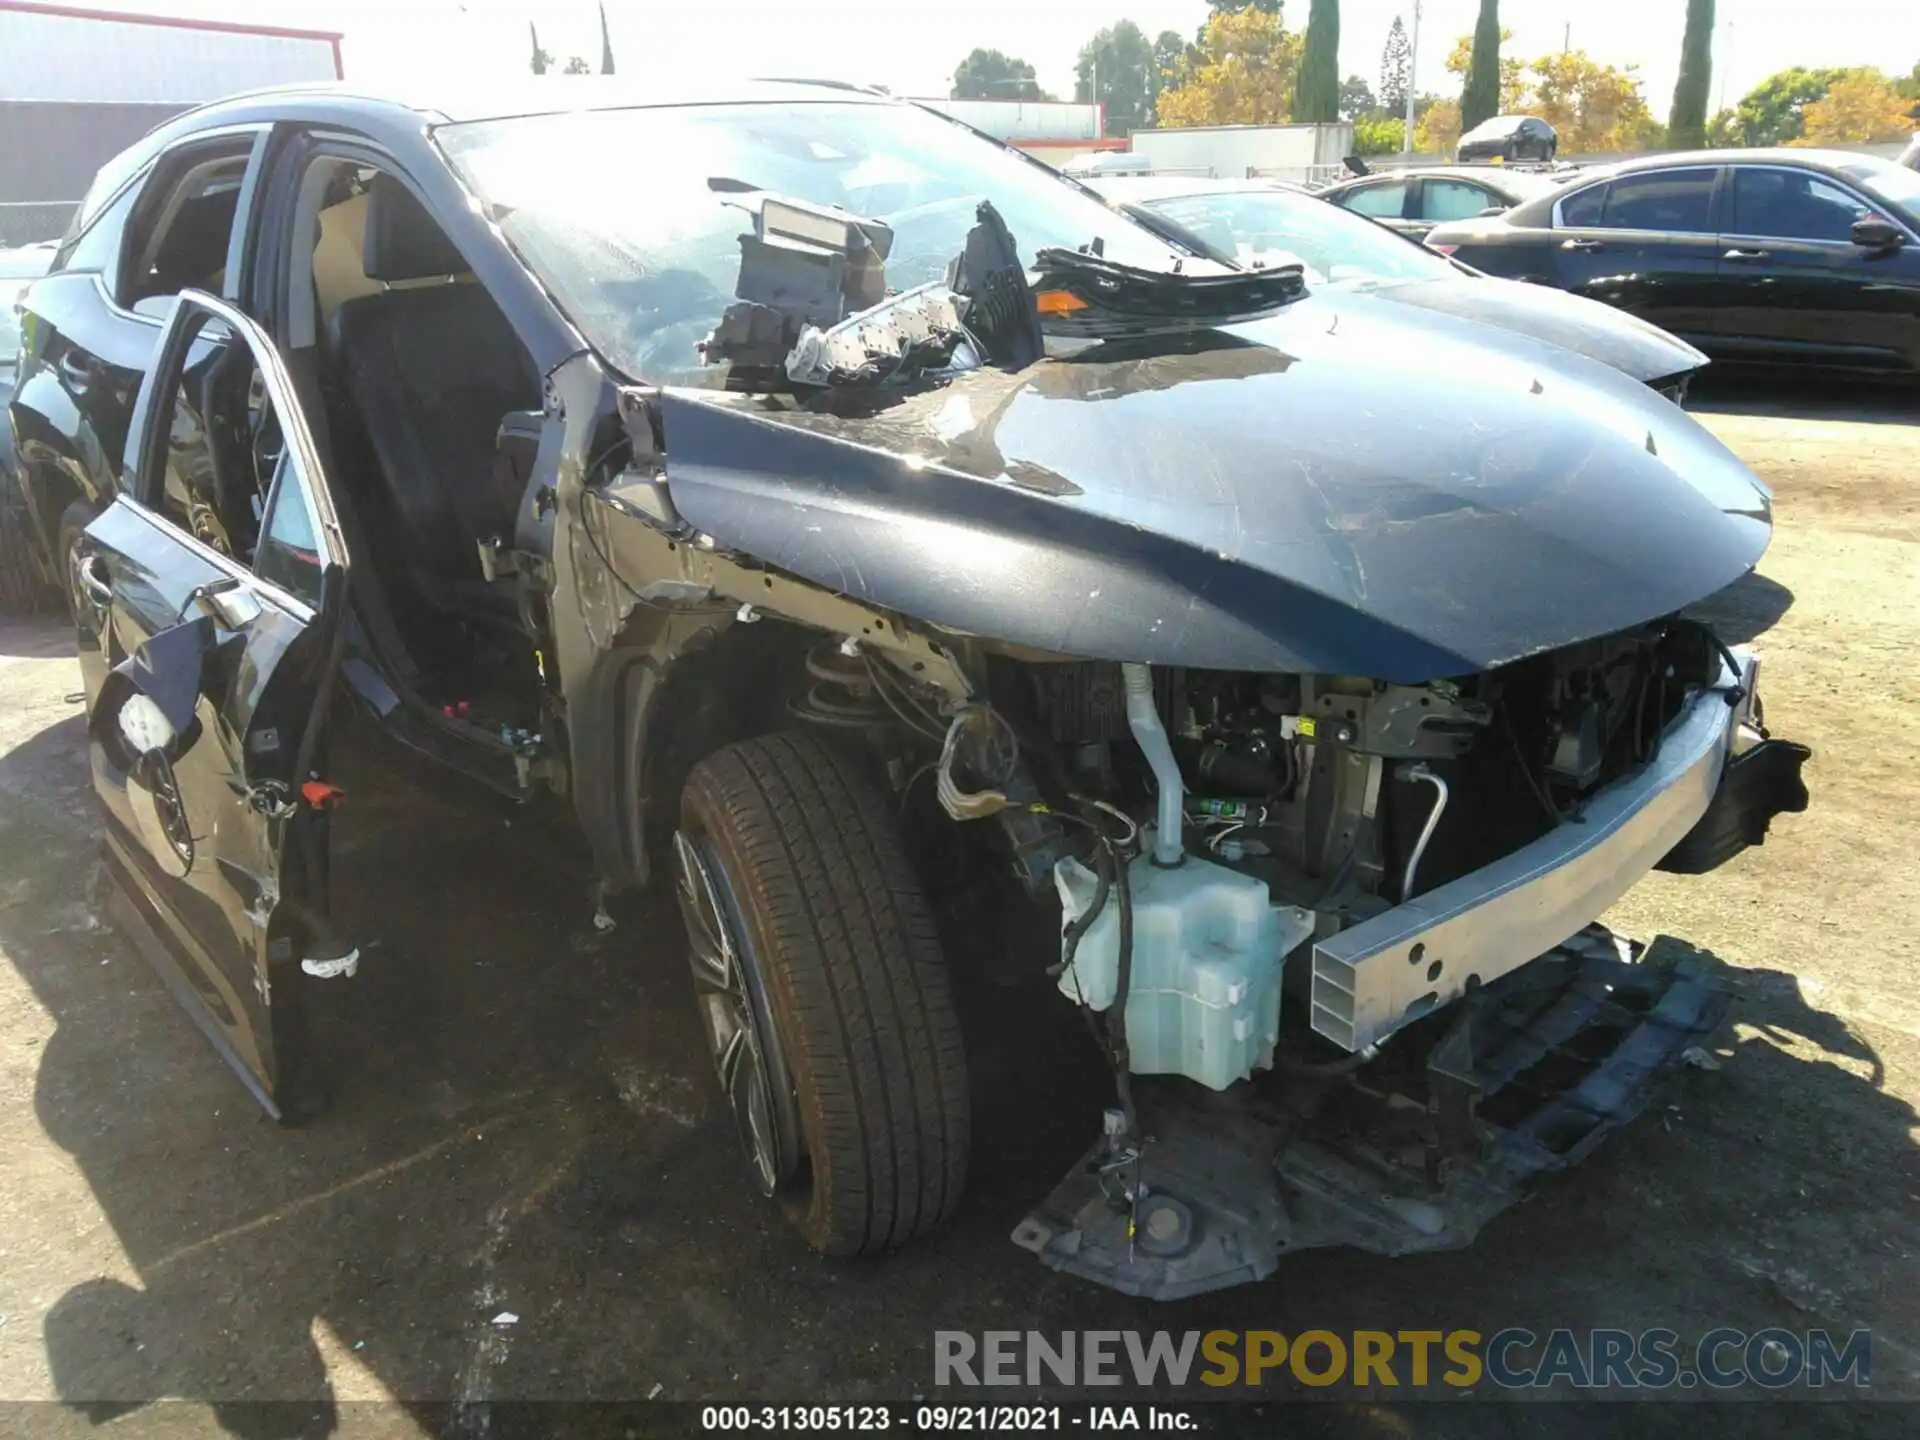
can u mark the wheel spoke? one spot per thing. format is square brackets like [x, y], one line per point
[709, 950]
[743, 1077]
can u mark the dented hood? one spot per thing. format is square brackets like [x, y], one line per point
[1354, 487]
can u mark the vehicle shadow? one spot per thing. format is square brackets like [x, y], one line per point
[1726, 389]
[1746, 609]
[523, 1125]
[35, 637]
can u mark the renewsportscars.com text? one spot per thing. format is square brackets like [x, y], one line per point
[1513, 1358]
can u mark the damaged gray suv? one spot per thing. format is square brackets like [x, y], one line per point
[839, 493]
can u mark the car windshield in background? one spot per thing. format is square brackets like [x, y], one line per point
[1279, 227]
[615, 212]
[1890, 182]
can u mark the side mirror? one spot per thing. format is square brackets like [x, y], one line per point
[1871, 232]
[1491, 210]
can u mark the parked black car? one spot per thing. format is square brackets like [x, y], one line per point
[716, 475]
[1414, 201]
[1509, 138]
[1249, 222]
[1798, 257]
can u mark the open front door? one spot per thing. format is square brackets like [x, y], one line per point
[211, 596]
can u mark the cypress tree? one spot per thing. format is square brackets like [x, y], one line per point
[1316, 94]
[1481, 99]
[1687, 122]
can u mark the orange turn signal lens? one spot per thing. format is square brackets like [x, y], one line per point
[1058, 302]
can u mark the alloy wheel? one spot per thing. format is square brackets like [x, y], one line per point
[736, 1013]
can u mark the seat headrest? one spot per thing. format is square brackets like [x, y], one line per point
[404, 242]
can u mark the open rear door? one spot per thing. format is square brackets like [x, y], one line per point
[212, 598]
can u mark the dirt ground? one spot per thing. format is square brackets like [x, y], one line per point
[524, 1122]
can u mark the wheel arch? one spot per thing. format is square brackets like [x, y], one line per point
[659, 704]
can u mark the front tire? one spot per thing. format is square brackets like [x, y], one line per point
[824, 993]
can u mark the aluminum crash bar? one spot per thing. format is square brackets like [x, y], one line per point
[1389, 971]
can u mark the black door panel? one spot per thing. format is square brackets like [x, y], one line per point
[1670, 280]
[1647, 243]
[203, 678]
[1796, 287]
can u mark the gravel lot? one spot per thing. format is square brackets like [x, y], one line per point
[523, 1119]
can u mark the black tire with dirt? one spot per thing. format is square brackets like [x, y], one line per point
[817, 961]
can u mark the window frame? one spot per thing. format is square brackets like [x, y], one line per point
[112, 283]
[148, 439]
[1714, 190]
[1407, 188]
[1487, 196]
[1838, 182]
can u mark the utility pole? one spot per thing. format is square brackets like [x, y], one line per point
[1413, 76]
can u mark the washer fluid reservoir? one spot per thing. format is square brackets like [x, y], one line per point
[1208, 948]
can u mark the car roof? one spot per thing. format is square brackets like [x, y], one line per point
[27, 262]
[1506, 177]
[1776, 155]
[495, 98]
[1143, 188]
[1533, 209]
[1499, 125]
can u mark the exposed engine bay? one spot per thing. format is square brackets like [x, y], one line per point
[1208, 840]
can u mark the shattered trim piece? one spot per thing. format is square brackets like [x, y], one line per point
[918, 329]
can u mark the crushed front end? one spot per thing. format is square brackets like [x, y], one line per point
[1358, 996]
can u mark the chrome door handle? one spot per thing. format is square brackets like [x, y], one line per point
[98, 591]
[1582, 244]
[1739, 254]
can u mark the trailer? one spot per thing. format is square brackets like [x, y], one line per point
[80, 85]
[1305, 153]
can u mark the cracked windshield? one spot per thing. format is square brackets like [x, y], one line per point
[646, 269]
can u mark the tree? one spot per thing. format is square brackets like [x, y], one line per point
[576, 65]
[1357, 99]
[989, 75]
[1860, 108]
[1316, 98]
[1114, 70]
[1687, 120]
[1436, 126]
[1242, 75]
[1595, 108]
[606, 45]
[1378, 134]
[542, 59]
[1513, 82]
[1169, 65]
[1227, 7]
[1774, 111]
[1396, 69]
[1723, 131]
[1480, 100]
